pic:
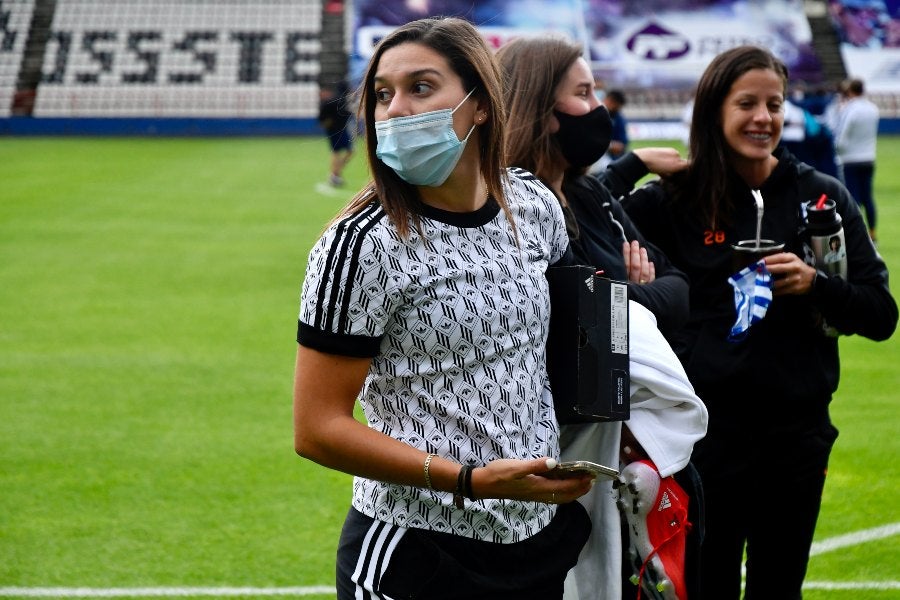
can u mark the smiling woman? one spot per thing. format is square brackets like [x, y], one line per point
[752, 118]
[768, 393]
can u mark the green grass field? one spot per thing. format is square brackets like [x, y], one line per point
[148, 295]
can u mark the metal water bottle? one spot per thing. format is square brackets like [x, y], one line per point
[826, 237]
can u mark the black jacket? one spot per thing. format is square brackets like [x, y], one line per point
[786, 365]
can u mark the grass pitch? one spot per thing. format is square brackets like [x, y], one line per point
[149, 291]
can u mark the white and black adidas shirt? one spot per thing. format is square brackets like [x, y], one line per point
[456, 322]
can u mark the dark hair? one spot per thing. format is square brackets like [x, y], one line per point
[532, 70]
[616, 96]
[704, 187]
[470, 57]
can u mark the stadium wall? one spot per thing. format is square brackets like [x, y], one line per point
[162, 127]
[152, 67]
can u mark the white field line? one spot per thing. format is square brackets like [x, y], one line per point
[835, 543]
[854, 539]
[851, 585]
[196, 592]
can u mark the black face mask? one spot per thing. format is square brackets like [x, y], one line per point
[584, 139]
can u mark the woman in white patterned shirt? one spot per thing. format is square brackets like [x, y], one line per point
[426, 300]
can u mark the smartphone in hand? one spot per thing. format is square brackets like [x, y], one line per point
[577, 468]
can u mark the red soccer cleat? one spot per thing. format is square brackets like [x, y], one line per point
[656, 511]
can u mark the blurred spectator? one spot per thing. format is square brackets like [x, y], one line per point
[817, 100]
[618, 145]
[614, 100]
[599, 88]
[334, 117]
[809, 140]
[833, 110]
[856, 137]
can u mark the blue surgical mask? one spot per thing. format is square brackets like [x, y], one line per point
[422, 149]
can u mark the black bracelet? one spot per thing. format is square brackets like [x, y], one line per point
[465, 472]
[467, 485]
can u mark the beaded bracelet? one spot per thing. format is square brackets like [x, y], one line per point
[428, 471]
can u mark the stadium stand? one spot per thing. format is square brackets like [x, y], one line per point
[133, 62]
[14, 21]
[869, 35]
[212, 58]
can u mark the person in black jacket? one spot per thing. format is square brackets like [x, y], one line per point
[557, 130]
[601, 233]
[764, 458]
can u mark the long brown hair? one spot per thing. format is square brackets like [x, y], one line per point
[704, 187]
[470, 58]
[532, 70]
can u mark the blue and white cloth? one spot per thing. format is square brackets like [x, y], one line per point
[752, 296]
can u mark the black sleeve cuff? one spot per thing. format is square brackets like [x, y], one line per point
[820, 284]
[357, 346]
[621, 175]
[630, 168]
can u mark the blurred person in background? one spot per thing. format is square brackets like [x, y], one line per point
[767, 382]
[558, 129]
[808, 139]
[599, 88]
[856, 141]
[335, 118]
[614, 100]
[816, 100]
[426, 300]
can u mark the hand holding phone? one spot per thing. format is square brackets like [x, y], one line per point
[578, 468]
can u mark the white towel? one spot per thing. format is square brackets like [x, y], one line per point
[667, 418]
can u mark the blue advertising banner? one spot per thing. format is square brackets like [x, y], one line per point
[497, 20]
[667, 44]
[651, 43]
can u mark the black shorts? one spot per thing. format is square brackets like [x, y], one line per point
[380, 560]
[340, 139]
